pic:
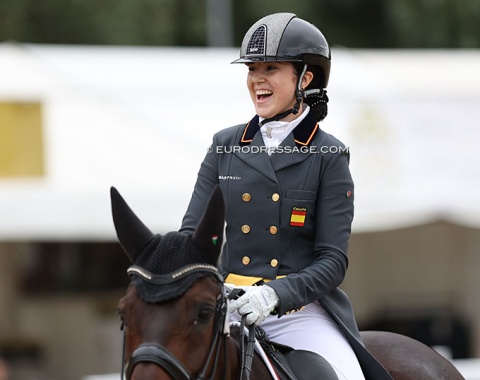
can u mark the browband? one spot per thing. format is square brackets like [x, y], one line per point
[164, 279]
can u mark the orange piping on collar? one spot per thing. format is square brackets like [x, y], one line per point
[244, 133]
[310, 138]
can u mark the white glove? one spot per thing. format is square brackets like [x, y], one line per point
[256, 303]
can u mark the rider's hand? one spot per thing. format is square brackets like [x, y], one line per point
[257, 303]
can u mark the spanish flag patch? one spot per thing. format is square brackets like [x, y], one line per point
[297, 219]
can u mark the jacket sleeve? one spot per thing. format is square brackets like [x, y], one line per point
[334, 215]
[206, 181]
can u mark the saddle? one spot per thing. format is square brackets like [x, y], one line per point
[292, 364]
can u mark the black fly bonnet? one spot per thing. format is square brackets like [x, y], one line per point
[166, 266]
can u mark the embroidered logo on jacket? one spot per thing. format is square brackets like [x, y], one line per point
[297, 218]
[229, 177]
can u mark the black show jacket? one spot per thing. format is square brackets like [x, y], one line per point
[288, 214]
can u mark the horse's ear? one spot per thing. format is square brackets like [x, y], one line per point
[131, 232]
[208, 235]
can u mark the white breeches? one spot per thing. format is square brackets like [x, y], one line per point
[313, 329]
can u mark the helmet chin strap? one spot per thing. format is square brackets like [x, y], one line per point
[299, 93]
[277, 117]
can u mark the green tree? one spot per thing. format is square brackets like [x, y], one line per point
[350, 23]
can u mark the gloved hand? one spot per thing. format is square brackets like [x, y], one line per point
[256, 303]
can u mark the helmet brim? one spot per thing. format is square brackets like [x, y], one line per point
[263, 58]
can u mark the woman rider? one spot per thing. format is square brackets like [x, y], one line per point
[289, 196]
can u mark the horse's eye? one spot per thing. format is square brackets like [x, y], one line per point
[206, 314]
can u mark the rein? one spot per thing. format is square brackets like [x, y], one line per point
[157, 354]
[247, 350]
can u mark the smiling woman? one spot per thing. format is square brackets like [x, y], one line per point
[290, 209]
[272, 87]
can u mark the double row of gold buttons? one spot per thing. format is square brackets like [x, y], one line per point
[246, 198]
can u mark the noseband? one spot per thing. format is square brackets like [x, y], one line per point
[155, 353]
[159, 355]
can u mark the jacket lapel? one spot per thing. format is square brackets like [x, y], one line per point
[288, 154]
[297, 145]
[253, 151]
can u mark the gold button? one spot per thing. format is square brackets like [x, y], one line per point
[275, 197]
[246, 197]
[273, 230]
[245, 260]
[274, 263]
[245, 228]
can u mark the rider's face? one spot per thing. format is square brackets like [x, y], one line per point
[272, 88]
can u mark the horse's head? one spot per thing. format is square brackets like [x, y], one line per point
[174, 310]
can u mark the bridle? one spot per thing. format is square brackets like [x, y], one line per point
[159, 355]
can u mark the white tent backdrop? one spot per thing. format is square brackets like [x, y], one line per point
[141, 119]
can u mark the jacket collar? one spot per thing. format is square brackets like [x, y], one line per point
[302, 134]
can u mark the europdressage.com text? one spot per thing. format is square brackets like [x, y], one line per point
[220, 149]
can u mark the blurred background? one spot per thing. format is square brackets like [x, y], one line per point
[129, 93]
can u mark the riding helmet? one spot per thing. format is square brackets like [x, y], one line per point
[285, 37]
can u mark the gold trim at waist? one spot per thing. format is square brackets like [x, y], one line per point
[239, 280]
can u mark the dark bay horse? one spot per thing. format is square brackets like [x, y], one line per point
[174, 313]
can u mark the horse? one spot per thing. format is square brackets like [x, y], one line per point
[175, 312]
